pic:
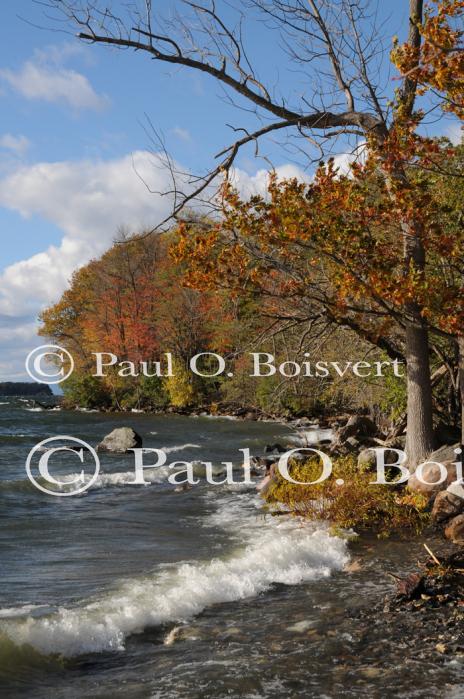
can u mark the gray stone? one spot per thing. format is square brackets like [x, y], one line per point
[445, 453]
[446, 506]
[455, 529]
[120, 440]
[358, 426]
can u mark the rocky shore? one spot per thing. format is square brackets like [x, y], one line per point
[422, 615]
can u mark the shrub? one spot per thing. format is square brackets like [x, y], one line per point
[355, 503]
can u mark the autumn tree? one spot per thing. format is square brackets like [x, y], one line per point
[437, 67]
[335, 46]
[131, 303]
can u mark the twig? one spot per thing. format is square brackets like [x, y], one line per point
[432, 555]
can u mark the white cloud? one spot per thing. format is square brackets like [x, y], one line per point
[257, 183]
[17, 144]
[343, 161]
[455, 133]
[89, 201]
[17, 338]
[248, 185]
[182, 134]
[45, 78]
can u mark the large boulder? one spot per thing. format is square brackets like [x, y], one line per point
[120, 440]
[445, 453]
[359, 427]
[455, 530]
[446, 506]
[429, 483]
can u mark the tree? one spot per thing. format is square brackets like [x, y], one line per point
[328, 251]
[131, 303]
[438, 67]
[338, 36]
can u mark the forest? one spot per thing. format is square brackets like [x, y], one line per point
[368, 263]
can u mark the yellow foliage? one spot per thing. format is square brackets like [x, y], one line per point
[179, 386]
[349, 499]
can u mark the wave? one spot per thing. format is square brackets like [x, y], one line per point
[311, 437]
[105, 480]
[17, 437]
[180, 447]
[11, 612]
[151, 475]
[209, 416]
[271, 552]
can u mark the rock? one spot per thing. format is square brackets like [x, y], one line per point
[274, 448]
[446, 506]
[182, 488]
[301, 626]
[367, 458]
[120, 440]
[353, 567]
[446, 453]
[410, 586]
[303, 422]
[358, 426]
[455, 529]
[181, 633]
[431, 475]
[398, 442]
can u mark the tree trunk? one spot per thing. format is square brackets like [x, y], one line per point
[461, 385]
[419, 430]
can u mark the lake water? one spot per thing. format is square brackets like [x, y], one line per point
[143, 592]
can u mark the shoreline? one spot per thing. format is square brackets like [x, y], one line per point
[232, 412]
[350, 627]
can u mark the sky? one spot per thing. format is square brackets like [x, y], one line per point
[76, 151]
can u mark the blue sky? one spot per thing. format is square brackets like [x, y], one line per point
[73, 138]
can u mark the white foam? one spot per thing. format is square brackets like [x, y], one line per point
[180, 447]
[306, 438]
[270, 552]
[216, 417]
[11, 612]
[151, 475]
[158, 474]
